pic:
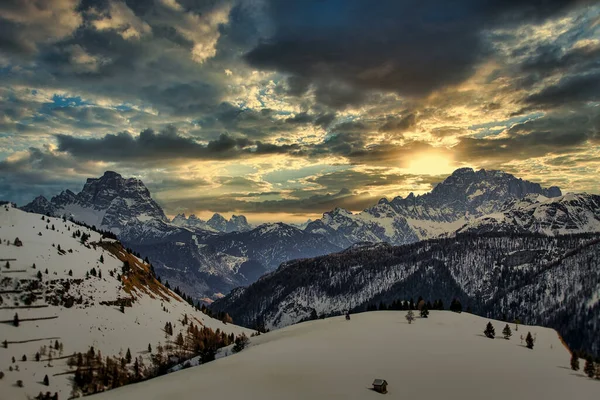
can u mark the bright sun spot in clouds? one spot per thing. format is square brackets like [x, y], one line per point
[431, 163]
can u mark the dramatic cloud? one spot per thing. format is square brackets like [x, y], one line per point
[396, 45]
[285, 109]
[165, 145]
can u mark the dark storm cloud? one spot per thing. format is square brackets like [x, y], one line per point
[167, 144]
[411, 48]
[552, 134]
[256, 124]
[569, 90]
[395, 124]
[550, 59]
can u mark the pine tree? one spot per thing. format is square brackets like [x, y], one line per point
[16, 320]
[424, 312]
[70, 272]
[410, 316]
[128, 356]
[529, 340]
[574, 362]
[24, 358]
[46, 381]
[589, 367]
[489, 331]
[149, 348]
[179, 340]
[37, 356]
[39, 275]
[101, 258]
[506, 332]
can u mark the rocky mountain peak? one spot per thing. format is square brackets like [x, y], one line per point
[237, 223]
[217, 222]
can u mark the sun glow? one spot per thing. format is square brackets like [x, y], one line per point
[430, 163]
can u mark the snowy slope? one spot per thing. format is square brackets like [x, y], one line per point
[75, 301]
[571, 213]
[538, 279]
[442, 357]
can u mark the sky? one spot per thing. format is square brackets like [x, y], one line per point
[285, 109]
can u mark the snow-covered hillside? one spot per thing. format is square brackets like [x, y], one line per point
[79, 293]
[552, 281]
[444, 356]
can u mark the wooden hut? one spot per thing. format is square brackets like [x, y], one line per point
[380, 385]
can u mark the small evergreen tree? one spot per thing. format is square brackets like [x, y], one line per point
[507, 332]
[24, 358]
[424, 312]
[16, 320]
[46, 381]
[70, 272]
[128, 356]
[240, 343]
[149, 348]
[574, 362]
[529, 340]
[101, 258]
[7, 265]
[39, 275]
[589, 367]
[489, 331]
[410, 316]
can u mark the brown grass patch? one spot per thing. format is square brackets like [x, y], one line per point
[139, 279]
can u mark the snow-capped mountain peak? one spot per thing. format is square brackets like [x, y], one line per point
[464, 195]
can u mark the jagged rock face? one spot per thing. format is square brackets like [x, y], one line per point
[237, 223]
[109, 202]
[464, 195]
[40, 205]
[217, 222]
[571, 213]
[468, 192]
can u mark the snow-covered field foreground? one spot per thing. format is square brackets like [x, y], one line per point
[443, 357]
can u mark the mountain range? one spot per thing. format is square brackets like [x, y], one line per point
[210, 258]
